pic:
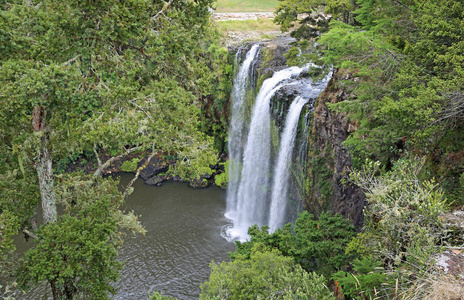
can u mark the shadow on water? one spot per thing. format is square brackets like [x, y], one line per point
[183, 237]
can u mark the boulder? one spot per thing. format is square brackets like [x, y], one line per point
[155, 180]
[155, 167]
[200, 183]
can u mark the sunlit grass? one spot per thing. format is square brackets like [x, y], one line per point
[260, 25]
[246, 5]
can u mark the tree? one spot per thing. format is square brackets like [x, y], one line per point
[101, 77]
[265, 275]
[313, 15]
[77, 254]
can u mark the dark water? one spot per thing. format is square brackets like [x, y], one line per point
[183, 236]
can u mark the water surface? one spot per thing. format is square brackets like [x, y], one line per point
[183, 236]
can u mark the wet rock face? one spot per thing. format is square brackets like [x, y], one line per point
[330, 161]
[277, 61]
[283, 98]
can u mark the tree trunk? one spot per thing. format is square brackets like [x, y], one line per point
[44, 167]
[55, 290]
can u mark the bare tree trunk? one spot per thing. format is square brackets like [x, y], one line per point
[44, 167]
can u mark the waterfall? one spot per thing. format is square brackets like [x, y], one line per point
[252, 194]
[282, 169]
[237, 124]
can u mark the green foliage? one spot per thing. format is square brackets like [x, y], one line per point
[402, 231]
[317, 245]
[103, 76]
[320, 244]
[315, 22]
[266, 274]
[401, 205]
[218, 83]
[160, 296]
[116, 85]
[405, 64]
[365, 282]
[77, 254]
[130, 165]
[223, 179]
[76, 250]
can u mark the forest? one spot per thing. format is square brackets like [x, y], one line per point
[87, 84]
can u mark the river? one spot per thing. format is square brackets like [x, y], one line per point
[183, 236]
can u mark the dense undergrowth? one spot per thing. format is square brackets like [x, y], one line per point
[405, 92]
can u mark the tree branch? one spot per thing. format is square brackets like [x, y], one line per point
[161, 12]
[99, 171]
[126, 191]
[71, 60]
[100, 167]
[31, 234]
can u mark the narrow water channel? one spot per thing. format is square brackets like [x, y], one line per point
[183, 236]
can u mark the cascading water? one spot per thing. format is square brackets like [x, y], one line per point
[252, 194]
[282, 169]
[237, 125]
[251, 168]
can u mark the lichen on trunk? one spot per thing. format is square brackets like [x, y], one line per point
[44, 165]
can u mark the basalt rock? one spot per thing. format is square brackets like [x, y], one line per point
[150, 172]
[283, 98]
[330, 161]
[155, 180]
[277, 62]
[200, 183]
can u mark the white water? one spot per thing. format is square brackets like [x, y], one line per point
[237, 125]
[282, 168]
[253, 190]
[251, 197]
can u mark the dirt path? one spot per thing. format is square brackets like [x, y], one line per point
[242, 16]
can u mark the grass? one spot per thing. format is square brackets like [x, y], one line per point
[246, 5]
[248, 25]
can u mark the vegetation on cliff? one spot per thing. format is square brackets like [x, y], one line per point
[406, 81]
[399, 95]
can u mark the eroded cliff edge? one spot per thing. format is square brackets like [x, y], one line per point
[329, 161]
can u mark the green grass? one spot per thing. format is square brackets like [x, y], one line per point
[260, 25]
[246, 5]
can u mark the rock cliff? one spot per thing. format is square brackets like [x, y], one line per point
[329, 161]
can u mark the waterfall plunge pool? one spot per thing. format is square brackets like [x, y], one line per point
[183, 236]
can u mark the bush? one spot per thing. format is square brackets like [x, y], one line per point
[400, 206]
[267, 274]
[222, 179]
[130, 165]
[318, 245]
[365, 282]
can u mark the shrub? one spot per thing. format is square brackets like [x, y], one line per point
[130, 165]
[222, 179]
[267, 274]
[318, 245]
[400, 206]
